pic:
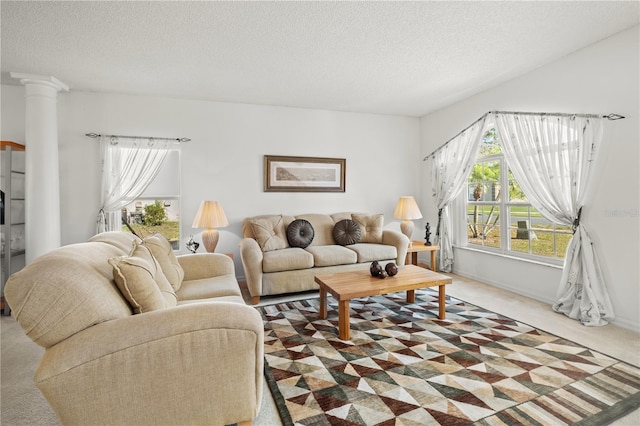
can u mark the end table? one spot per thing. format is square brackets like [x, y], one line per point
[418, 246]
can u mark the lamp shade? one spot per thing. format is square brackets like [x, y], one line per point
[210, 215]
[407, 209]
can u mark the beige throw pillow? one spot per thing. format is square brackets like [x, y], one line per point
[270, 233]
[370, 227]
[161, 249]
[141, 281]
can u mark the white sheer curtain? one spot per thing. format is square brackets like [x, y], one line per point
[128, 167]
[450, 169]
[551, 157]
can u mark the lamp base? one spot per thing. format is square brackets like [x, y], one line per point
[406, 227]
[210, 239]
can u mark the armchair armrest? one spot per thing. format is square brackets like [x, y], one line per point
[205, 265]
[251, 256]
[399, 240]
[192, 364]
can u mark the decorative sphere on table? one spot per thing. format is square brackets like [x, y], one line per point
[375, 268]
[391, 269]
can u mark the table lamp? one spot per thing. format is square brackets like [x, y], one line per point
[407, 210]
[210, 216]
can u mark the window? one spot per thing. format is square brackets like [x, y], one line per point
[499, 217]
[157, 209]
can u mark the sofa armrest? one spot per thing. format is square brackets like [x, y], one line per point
[205, 265]
[192, 364]
[400, 241]
[251, 256]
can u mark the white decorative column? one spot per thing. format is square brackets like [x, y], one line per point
[42, 179]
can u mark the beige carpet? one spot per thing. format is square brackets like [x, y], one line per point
[22, 403]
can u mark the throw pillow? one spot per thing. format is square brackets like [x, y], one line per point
[300, 233]
[141, 281]
[370, 227]
[269, 233]
[346, 232]
[161, 249]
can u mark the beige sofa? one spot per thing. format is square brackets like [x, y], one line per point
[273, 265]
[193, 356]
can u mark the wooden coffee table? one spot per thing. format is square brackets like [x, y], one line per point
[345, 286]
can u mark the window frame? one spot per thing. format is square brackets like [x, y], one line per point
[488, 159]
[505, 206]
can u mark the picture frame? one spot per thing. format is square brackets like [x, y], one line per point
[304, 174]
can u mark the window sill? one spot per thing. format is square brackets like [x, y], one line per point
[510, 257]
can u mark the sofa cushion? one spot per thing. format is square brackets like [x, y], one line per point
[207, 288]
[141, 281]
[346, 232]
[270, 233]
[286, 260]
[370, 227]
[300, 233]
[161, 249]
[369, 252]
[217, 299]
[332, 255]
[322, 228]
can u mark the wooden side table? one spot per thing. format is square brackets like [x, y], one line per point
[418, 246]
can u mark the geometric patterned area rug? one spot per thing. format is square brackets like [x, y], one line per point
[404, 366]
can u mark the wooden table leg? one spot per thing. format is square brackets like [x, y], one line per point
[411, 296]
[343, 320]
[323, 302]
[433, 261]
[441, 303]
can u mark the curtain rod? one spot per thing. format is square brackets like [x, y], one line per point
[611, 117]
[96, 135]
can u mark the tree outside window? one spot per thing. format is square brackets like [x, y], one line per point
[146, 217]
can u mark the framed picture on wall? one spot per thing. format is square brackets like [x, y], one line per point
[303, 174]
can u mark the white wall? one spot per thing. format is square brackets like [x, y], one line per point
[224, 159]
[602, 78]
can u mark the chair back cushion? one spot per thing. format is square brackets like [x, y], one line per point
[67, 290]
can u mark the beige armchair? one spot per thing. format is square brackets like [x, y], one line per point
[200, 362]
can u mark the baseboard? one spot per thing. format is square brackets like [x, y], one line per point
[619, 322]
[503, 286]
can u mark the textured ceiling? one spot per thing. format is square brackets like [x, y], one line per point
[405, 58]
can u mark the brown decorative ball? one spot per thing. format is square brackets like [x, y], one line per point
[391, 269]
[375, 269]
